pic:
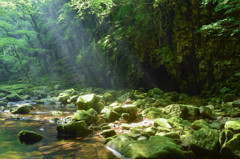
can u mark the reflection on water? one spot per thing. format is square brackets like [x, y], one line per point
[49, 147]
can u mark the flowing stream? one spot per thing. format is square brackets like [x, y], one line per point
[50, 146]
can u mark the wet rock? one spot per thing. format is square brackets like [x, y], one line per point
[73, 129]
[29, 137]
[90, 116]
[198, 124]
[206, 112]
[21, 110]
[154, 148]
[108, 133]
[229, 98]
[233, 126]
[14, 97]
[86, 102]
[236, 103]
[230, 149]
[205, 142]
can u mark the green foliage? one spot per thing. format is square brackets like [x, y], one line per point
[227, 15]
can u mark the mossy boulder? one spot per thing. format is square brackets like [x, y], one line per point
[231, 148]
[162, 124]
[179, 123]
[198, 124]
[90, 116]
[86, 102]
[229, 98]
[29, 137]
[173, 96]
[205, 142]
[233, 126]
[14, 97]
[99, 106]
[236, 103]
[73, 129]
[154, 91]
[22, 110]
[127, 109]
[2, 95]
[110, 96]
[108, 133]
[206, 112]
[180, 110]
[153, 113]
[110, 115]
[3, 103]
[156, 147]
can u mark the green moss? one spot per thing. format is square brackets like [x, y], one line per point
[29, 137]
[73, 129]
[21, 110]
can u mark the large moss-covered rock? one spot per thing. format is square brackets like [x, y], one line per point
[89, 116]
[3, 103]
[236, 103]
[99, 106]
[180, 110]
[162, 124]
[233, 126]
[231, 148]
[73, 129]
[2, 95]
[110, 115]
[154, 113]
[108, 133]
[206, 112]
[86, 102]
[229, 98]
[29, 137]
[14, 97]
[205, 142]
[22, 110]
[156, 147]
[179, 123]
[198, 124]
[129, 109]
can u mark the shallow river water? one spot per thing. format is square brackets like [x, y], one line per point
[50, 146]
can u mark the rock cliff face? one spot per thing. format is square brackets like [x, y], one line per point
[160, 43]
[196, 61]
